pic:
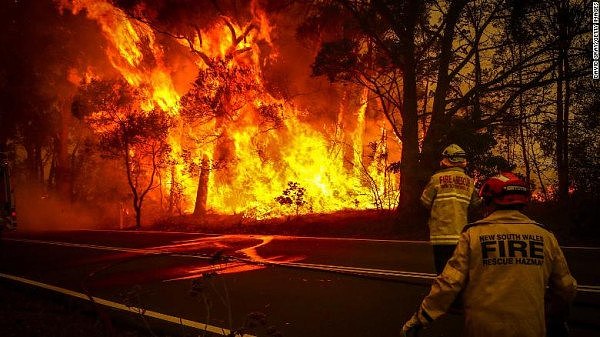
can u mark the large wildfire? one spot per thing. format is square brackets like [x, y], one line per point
[235, 146]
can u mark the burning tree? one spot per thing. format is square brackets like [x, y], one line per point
[126, 132]
[218, 96]
[227, 91]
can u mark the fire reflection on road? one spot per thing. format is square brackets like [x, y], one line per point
[227, 254]
[235, 254]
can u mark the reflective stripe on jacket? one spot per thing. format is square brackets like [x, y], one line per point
[448, 195]
[502, 264]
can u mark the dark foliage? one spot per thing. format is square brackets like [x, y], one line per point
[336, 60]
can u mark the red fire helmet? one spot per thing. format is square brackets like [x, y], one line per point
[505, 189]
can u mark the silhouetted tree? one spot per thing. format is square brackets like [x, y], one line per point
[45, 52]
[292, 196]
[127, 133]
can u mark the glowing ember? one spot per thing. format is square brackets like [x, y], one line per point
[249, 147]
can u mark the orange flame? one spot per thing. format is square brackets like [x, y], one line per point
[334, 173]
[127, 39]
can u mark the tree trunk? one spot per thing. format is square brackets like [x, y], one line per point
[562, 97]
[562, 191]
[521, 128]
[138, 215]
[423, 119]
[64, 184]
[409, 180]
[439, 120]
[565, 173]
[524, 150]
[173, 190]
[33, 163]
[476, 114]
[136, 202]
[39, 164]
[538, 172]
[202, 194]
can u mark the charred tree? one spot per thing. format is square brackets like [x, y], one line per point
[202, 193]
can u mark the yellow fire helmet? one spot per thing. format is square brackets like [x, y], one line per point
[454, 153]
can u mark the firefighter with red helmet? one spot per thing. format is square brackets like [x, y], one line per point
[501, 268]
[448, 195]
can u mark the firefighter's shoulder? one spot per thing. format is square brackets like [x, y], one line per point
[478, 223]
[486, 223]
[475, 224]
[544, 227]
[541, 225]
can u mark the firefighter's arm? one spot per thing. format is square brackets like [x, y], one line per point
[562, 285]
[476, 201]
[445, 287]
[428, 194]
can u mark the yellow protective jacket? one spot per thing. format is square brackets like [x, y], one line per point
[448, 195]
[502, 265]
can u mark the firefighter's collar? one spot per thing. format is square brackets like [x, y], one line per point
[506, 216]
[452, 168]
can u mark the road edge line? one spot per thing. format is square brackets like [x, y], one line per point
[321, 267]
[119, 306]
[333, 238]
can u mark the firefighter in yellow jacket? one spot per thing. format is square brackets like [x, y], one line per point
[501, 268]
[448, 195]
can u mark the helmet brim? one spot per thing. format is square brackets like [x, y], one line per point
[457, 159]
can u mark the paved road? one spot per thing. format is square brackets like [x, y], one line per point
[299, 286]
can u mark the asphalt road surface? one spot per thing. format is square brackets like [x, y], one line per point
[297, 286]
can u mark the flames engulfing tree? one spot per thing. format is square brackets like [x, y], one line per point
[222, 89]
[126, 132]
[219, 93]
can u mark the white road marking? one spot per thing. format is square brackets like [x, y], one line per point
[346, 269]
[298, 237]
[143, 232]
[357, 270]
[323, 267]
[172, 319]
[580, 247]
[588, 289]
[84, 245]
[251, 235]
